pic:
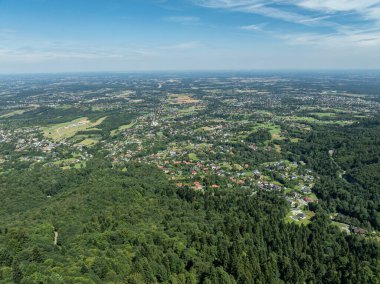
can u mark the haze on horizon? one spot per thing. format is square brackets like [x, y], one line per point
[134, 35]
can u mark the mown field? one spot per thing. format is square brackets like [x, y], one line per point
[62, 131]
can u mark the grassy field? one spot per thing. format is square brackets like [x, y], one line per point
[302, 119]
[13, 113]
[88, 142]
[190, 110]
[64, 106]
[121, 128]
[274, 130]
[307, 119]
[193, 157]
[62, 131]
[69, 160]
[324, 114]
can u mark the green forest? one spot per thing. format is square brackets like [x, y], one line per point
[213, 178]
[350, 176]
[108, 224]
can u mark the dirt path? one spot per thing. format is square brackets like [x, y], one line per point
[55, 238]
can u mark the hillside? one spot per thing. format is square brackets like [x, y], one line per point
[118, 225]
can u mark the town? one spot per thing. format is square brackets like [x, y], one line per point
[206, 133]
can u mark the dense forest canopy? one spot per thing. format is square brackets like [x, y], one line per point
[190, 178]
[118, 225]
[350, 179]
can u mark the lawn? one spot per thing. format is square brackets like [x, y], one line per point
[62, 131]
[305, 221]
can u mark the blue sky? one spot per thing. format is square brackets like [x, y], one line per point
[140, 35]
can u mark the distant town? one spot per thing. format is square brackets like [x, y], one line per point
[231, 132]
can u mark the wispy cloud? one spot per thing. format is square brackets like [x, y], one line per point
[252, 28]
[186, 20]
[333, 41]
[270, 9]
[361, 24]
[360, 6]
[338, 5]
[22, 55]
[53, 51]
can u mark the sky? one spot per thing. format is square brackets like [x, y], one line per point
[41, 36]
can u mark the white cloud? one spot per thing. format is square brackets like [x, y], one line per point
[368, 9]
[262, 7]
[363, 30]
[226, 3]
[337, 5]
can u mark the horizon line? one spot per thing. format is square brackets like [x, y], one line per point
[147, 71]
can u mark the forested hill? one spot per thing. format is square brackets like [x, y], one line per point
[120, 225]
[348, 162]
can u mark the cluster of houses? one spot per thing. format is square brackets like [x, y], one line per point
[192, 142]
[37, 148]
[201, 164]
[5, 136]
[27, 139]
